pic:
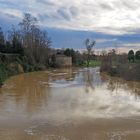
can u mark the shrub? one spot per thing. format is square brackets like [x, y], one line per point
[3, 74]
[113, 71]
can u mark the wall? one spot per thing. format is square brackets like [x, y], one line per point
[63, 61]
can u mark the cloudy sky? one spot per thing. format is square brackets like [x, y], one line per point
[112, 23]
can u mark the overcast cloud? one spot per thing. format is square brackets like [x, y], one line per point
[114, 17]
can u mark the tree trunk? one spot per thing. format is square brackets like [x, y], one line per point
[88, 60]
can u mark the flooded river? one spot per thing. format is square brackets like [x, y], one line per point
[69, 104]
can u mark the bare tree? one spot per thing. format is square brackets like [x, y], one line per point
[28, 27]
[89, 46]
[31, 34]
[35, 41]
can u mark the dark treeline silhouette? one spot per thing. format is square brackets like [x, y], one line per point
[133, 56]
[12, 44]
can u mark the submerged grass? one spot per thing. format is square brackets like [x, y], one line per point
[93, 63]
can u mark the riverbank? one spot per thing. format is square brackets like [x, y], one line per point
[20, 65]
[7, 70]
[17, 66]
[127, 71]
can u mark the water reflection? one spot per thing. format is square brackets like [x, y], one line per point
[34, 92]
[115, 84]
[57, 101]
[88, 79]
[26, 90]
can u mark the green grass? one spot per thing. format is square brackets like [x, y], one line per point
[93, 63]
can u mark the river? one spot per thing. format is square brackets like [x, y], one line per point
[69, 104]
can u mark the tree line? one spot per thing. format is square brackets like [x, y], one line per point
[26, 35]
[133, 56]
[34, 45]
[28, 40]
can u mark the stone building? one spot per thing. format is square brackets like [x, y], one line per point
[63, 61]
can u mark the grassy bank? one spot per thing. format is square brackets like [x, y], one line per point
[9, 69]
[92, 63]
[14, 68]
[13, 65]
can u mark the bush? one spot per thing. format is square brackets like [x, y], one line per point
[11, 49]
[3, 74]
[113, 71]
[128, 71]
[137, 55]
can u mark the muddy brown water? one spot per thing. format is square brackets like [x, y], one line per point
[69, 104]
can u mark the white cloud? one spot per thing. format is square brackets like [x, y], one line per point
[106, 40]
[132, 45]
[12, 13]
[107, 16]
[125, 47]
